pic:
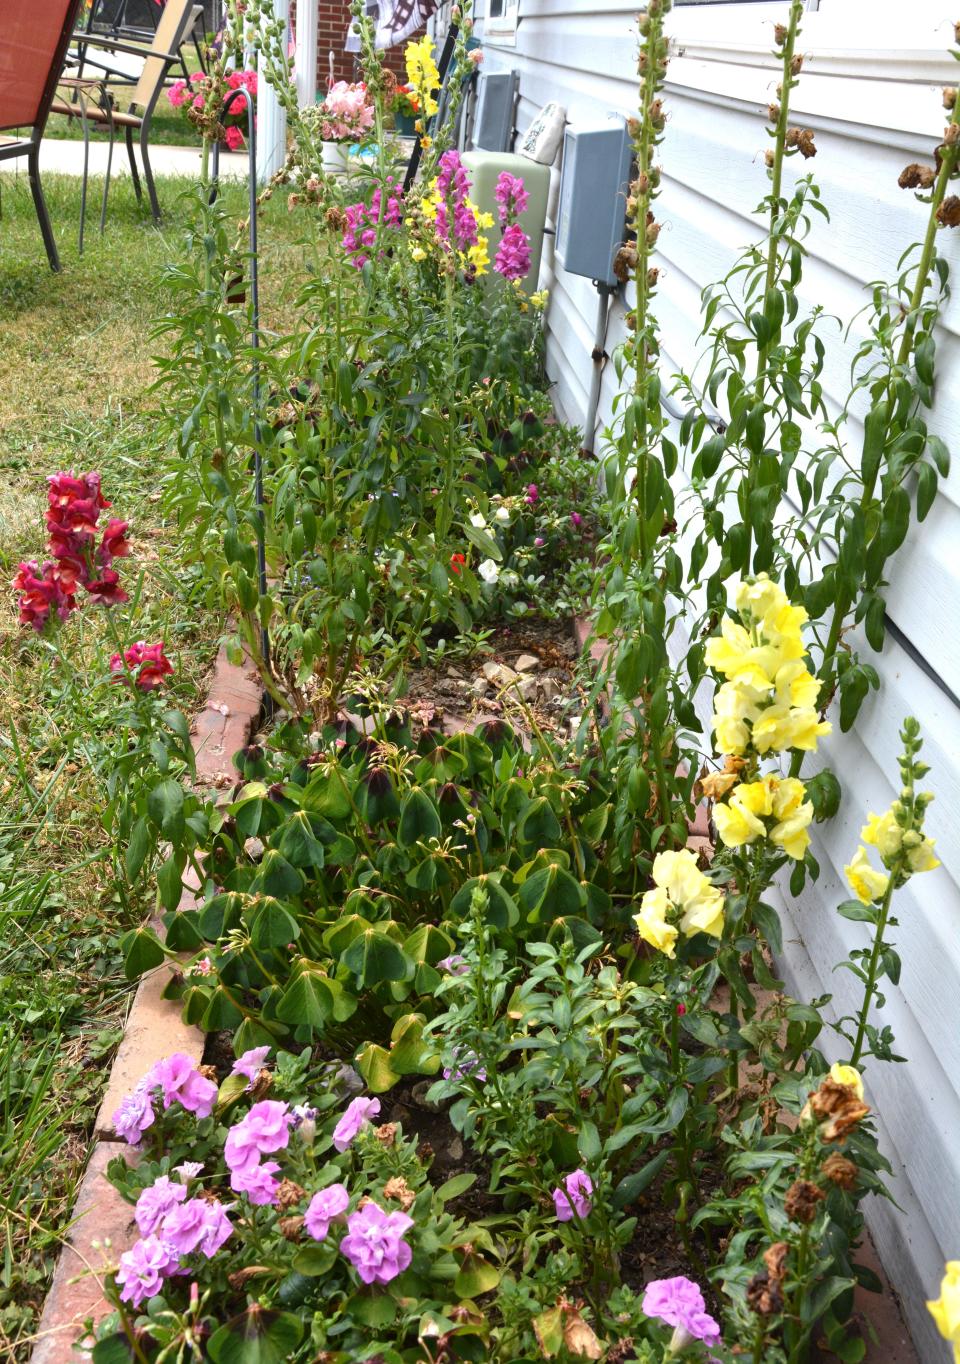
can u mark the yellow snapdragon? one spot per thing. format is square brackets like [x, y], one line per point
[866, 883]
[772, 807]
[768, 701]
[682, 900]
[946, 1309]
[422, 73]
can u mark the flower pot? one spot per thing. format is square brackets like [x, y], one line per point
[336, 157]
[405, 125]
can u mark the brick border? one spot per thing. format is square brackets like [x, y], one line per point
[102, 1226]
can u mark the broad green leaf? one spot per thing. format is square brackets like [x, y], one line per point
[373, 957]
[142, 951]
[257, 1336]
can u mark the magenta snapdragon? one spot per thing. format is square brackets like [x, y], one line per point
[360, 232]
[455, 222]
[513, 258]
[511, 196]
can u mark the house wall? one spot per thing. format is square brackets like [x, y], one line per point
[870, 90]
[333, 23]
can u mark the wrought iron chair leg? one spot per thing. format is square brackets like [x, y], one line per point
[148, 172]
[39, 203]
[134, 173]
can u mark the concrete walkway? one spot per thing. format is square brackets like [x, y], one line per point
[62, 156]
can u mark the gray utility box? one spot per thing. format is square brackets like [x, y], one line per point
[496, 106]
[592, 216]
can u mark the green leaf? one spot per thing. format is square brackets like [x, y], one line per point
[221, 1013]
[115, 1349]
[632, 1186]
[853, 909]
[277, 877]
[142, 951]
[477, 1276]
[926, 489]
[588, 1142]
[767, 920]
[419, 820]
[310, 1000]
[272, 925]
[257, 1336]
[502, 910]
[169, 881]
[456, 1186]
[539, 826]
[374, 958]
[140, 844]
[297, 843]
[183, 931]
[165, 808]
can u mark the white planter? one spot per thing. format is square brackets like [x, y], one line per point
[336, 157]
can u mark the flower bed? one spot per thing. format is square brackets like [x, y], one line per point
[507, 926]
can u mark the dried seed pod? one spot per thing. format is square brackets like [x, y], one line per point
[780, 34]
[773, 113]
[768, 158]
[634, 127]
[653, 274]
[800, 1203]
[791, 137]
[653, 231]
[624, 262]
[949, 96]
[631, 322]
[916, 176]
[655, 114]
[951, 134]
[805, 144]
[948, 214]
[796, 65]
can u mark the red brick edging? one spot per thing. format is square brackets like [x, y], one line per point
[102, 1226]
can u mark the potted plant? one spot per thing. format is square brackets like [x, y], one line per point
[346, 114]
[405, 107]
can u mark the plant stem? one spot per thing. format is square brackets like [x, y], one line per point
[869, 988]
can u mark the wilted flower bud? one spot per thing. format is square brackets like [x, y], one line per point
[634, 127]
[800, 1203]
[780, 34]
[948, 214]
[653, 274]
[949, 96]
[773, 113]
[768, 158]
[916, 176]
[839, 1170]
[796, 66]
[805, 144]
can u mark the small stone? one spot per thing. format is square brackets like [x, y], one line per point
[526, 663]
[455, 1149]
[527, 687]
[479, 686]
[419, 1095]
[253, 847]
[454, 673]
[550, 688]
[498, 674]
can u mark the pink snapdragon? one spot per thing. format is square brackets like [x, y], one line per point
[360, 232]
[147, 663]
[374, 1243]
[357, 1113]
[513, 258]
[511, 196]
[324, 1208]
[680, 1304]
[532, 494]
[574, 1197]
[455, 220]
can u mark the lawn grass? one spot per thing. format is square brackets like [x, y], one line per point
[75, 371]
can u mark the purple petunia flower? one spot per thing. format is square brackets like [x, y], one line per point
[196, 1225]
[154, 1203]
[454, 965]
[134, 1116]
[249, 1063]
[264, 1129]
[574, 1196]
[465, 1064]
[357, 1113]
[680, 1304]
[182, 1083]
[143, 1268]
[374, 1243]
[324, 1207]
[257, 1182]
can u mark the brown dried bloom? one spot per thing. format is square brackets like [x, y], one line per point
[634, 127]
[335, 219]
[289, 1194]
[836, 1102]
[291, 1228]
[916, 176]
[796, 66]
[208, 1072]
[780, 34]
[386, 1134]
[261, 1084]
[775, 1258]
[773, 113]
[624, 261]
[951, 134]
[768, 158]
[715, 785]
[948, 214]
[839, 1170]
[397, 1188]
[655, 113]
[805, 144]
[801, 1201]
[653, 274]
[949, 96]
[243, 1276]
[764, 1297]
[653, 230]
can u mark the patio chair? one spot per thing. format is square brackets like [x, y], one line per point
[176, 22]
[34, 35]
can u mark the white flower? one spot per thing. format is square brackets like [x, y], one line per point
[479, 520]
[502, 514]
[489, 571]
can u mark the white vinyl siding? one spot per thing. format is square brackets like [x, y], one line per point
[870, 90]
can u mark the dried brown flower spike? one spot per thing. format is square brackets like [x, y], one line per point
[801, 1201]
[948, 214]
[916, 176]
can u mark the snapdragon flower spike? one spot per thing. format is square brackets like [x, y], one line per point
[453, 189]
[511, 196]
[42, 591]
[147, 663]
[362, 219]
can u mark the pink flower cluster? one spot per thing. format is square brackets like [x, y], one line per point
[346, 112]
[147, 662]
[374, 1242]
[362, 220]
[171, 1227]
[453, 189]
[73, 512]
[680, 1304]
[178, 1081]
[265, 1129]
[183, 92]
[513, 254]
[574, 1197]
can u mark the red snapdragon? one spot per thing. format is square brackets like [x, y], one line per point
[147, 663]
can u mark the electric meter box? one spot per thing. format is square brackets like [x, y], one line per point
[496, 106]
[484, 169]
[592, 212]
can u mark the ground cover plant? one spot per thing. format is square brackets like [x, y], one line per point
[507, 926]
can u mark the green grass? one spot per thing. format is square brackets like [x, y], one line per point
[75, 370]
